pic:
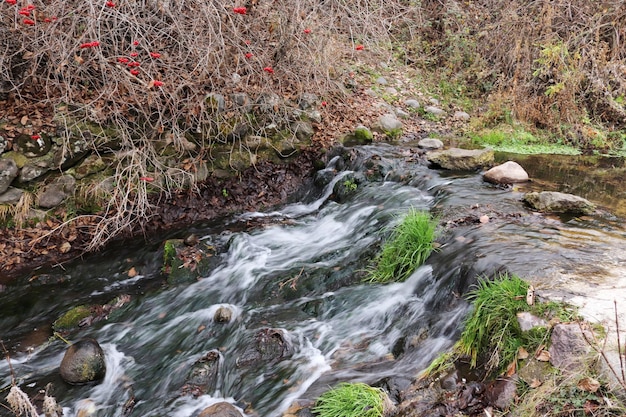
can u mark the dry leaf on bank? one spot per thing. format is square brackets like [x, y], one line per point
[522, 353]
[543, 356]
[588, 384]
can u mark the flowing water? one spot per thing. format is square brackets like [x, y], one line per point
[300, 269]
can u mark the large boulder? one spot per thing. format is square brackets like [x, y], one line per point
[269, 346]
[509, 172]
[462, 159]
[83, 362]
[221, 409]
[556, 202]
[8, 172]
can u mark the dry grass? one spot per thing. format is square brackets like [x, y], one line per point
[557, 64]
[133, 78]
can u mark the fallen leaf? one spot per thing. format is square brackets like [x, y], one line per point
[511, 369]
[543, 356]
[24, 120]
[535, 383]
[590, 407]
[65, 247]
[132, 272]
[201, 328]
[588, 384]
[522, 353]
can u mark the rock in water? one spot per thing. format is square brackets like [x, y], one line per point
[83, 362]
[509, 172]
[222, 409]
[555, 202]
[461, 159]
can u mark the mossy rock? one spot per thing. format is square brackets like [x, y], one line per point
[19, 158]
[71, 319]
[184, 263]
[83, 362]
[361, 136]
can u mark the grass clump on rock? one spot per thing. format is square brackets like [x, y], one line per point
[408, 247]
[492, 328]
[351, 400]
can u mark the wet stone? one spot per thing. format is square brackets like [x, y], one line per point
[509, 172]
[221, 409]
[461, 159]
[223, 315]
[268, 346]
[203, 375]
[83, 362]
[556, 202]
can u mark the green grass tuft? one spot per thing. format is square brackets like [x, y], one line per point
[410, 244]
[350, 400]
[492, 328]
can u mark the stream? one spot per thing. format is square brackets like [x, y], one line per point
[300, 269]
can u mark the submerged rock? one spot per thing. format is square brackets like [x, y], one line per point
[462, 159]
[221, 409]
[269, 345]
[202, 378]
[509, 172]
[83, 362]
[223, 315]
[501, 393]
[185, 263]
[72, 318]
[556, 202]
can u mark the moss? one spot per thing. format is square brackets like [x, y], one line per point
[169, 252]
[72, 318]
[19, 158]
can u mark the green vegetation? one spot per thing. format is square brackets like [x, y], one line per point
[351, 400]
[492, 328]
[517, 140]
[350, 185]
[408, 247]
[492, 334]
[72, 318]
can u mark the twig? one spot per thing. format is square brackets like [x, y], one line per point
[619, 345]
[8, 357]
[57, 334]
